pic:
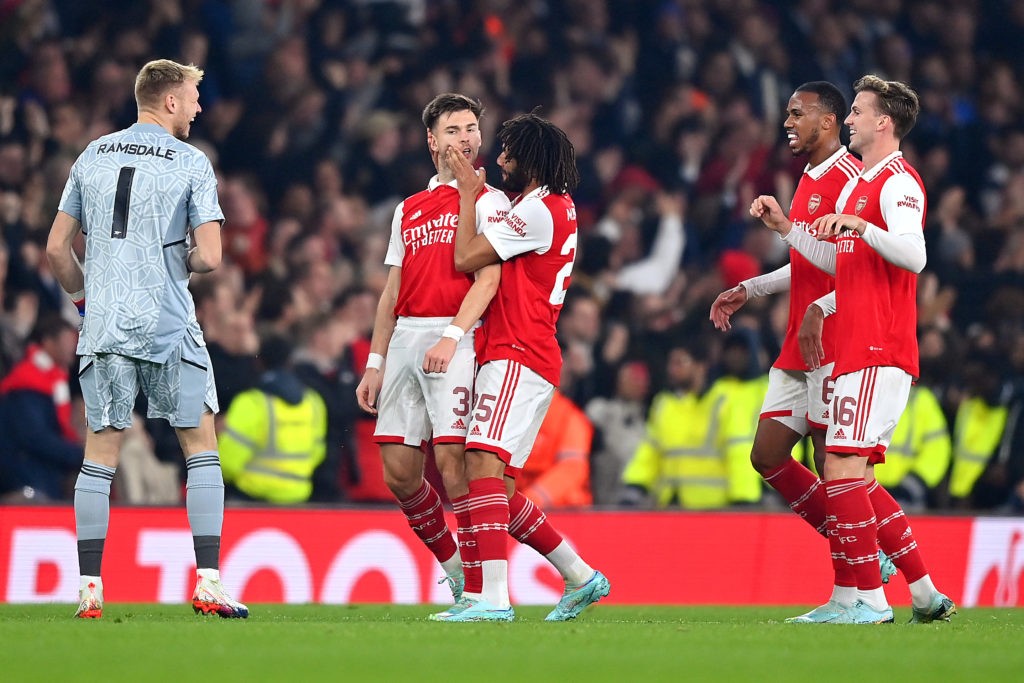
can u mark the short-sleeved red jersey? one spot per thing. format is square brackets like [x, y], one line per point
[423, 246]
[537, 245]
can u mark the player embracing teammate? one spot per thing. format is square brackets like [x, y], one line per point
[426, 323]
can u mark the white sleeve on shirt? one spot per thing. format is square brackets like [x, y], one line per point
[491, 208]
[827, 303]
[654, 274]
[779, 280]
[396, 247]
[902, 204]
[71, 198]
[527, 227]
[820, 253]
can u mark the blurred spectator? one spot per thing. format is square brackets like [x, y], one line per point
[245, 228]
[557, 473]
[230, 337]
[274, 435]
[321, 363]
[143, 478]
[618, 430]
[918, 457]
[979, 477]
[41, 450]
[740, 390]
[375, 160]
[653, 273]
[678, 463]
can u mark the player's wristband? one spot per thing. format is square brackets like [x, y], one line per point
[454, 332]
[374, 361]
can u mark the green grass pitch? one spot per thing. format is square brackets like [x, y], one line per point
[297, 643]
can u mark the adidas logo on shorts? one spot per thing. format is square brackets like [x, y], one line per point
[840, 434]
[459, 424]
[476, 431]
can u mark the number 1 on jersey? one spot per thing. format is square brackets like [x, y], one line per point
[122, 199]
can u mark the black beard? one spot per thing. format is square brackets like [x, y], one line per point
[514, 182]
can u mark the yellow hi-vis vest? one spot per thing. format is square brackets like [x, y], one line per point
[920, 444]
[976, 433]
[697, 449]
[740, 415]
[269, 447]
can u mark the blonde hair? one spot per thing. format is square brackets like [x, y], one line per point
[896, 100]
[161, 75]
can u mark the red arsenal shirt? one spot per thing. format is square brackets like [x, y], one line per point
[815, 196]
[876, 301]
[537, 245]
[423, 246]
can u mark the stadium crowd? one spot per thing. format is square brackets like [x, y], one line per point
[311, 116]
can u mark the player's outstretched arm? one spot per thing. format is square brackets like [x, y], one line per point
[731, 300]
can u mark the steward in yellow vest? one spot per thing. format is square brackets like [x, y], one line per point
[274, 435]
[919, 455]
[978, 476]
[696, 453]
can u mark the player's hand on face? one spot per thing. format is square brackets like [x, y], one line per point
[368, 390]
[809, 337]
[727, 303]
[470, 181]
[439, 356]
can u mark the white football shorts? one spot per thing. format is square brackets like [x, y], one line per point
[414, 404]
[511, 401]
[865, 409]
[799, 400]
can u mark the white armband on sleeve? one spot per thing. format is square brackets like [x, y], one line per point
[826, 303]
[776, 281]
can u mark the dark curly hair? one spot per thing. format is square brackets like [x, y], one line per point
[542, 151]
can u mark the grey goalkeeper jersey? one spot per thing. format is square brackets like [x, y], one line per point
[136, 193]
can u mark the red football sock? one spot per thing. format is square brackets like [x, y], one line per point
[467, 546]
[856, 533]
[425, 515]
[528, 524]
[843, 570]
[802, 489]
[894, 535]
[488, 510]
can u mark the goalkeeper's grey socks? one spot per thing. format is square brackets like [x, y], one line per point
[92, 514]
[204, 501]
